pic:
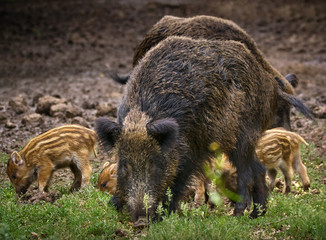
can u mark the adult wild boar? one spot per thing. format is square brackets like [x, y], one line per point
[182, 96]
[213, 28]
[202, 27]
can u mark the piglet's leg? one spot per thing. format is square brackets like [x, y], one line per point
[288, 175]
[86, 172]
[272, 176]
[44, 175]
[46, 189]
[301, 170]
[78, 178]
[86, 175]
[200, 191]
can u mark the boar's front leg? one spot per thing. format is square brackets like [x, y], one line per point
[116, 202]
[260, 190]
[251, 179]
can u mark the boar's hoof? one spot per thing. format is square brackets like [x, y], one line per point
[256, 213]
[141, 222]
[115, 202]
[239, 208]
[237, 213]
[306, 187]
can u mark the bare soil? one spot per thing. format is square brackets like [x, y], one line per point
[66, 49]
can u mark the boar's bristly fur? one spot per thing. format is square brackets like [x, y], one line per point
[213, 28]
[203, 27]
[184, 95]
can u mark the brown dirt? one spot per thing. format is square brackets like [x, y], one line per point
[65, 49]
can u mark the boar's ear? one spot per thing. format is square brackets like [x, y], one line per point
[165, 131]
[16, 158]
[292, 78]
[108, 132]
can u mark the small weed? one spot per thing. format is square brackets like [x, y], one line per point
[160, 210]
[146, 204]
[168, 203]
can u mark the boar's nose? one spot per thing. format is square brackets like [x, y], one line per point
[141, 222]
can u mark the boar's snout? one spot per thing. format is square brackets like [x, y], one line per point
[141, 222]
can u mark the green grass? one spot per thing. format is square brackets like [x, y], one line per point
[87, 215]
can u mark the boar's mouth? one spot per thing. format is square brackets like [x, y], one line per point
[141, 222]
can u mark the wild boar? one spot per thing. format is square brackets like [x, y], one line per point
[61, 147]
[202, 27]
[107, 179]
[213, 28]
[276, 149]
[182, 96]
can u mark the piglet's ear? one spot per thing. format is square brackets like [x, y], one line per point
[113, 170]
[165, 131]
[108, 132]
[16, 159]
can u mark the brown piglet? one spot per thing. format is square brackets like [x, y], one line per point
[276, 149]
[66, 146]
[107, 179]
[279, 148]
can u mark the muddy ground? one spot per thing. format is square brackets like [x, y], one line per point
[65, 49]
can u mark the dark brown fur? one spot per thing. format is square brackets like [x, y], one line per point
[213, 28]
[182, 96]
[204, 27]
